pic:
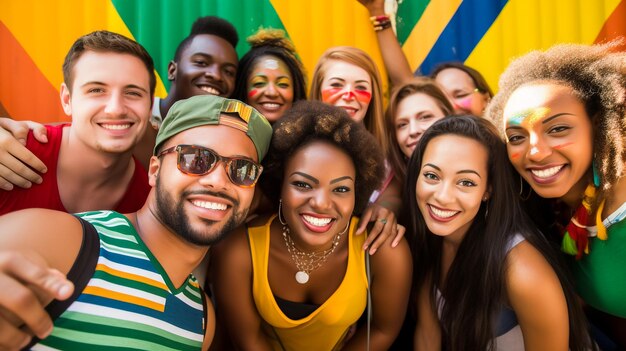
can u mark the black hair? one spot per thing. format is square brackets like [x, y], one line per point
[209, 25]
[474, 288]
[270, 42]
[309, 121]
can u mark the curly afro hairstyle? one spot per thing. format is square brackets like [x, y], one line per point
[597, 76]
[309, 121]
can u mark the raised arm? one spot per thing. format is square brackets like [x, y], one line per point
[231, 282]
[395, 61]
[19, 166]
[391, 270]
[532, 286]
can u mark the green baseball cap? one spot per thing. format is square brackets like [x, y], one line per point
[203, 110]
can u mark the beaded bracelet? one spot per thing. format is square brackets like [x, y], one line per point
[380, 22]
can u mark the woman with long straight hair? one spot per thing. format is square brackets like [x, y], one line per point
[484, 276]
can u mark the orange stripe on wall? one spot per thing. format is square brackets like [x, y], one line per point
[615, 25]
[28, 94]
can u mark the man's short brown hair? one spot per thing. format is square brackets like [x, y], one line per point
[105, 41]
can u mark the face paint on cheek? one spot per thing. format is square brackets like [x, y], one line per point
[331, 95]
[558, 147]
[252, 92]
[465, 103]
[363, 96]
[515, 155]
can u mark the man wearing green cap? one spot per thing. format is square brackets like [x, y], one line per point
[131, 272]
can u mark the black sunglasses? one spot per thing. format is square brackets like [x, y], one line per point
[198, 160]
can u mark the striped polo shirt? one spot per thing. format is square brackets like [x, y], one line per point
[129, 303]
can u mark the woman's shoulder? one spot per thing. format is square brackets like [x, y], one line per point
[528, 271]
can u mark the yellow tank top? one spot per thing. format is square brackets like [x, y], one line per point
[325, 327]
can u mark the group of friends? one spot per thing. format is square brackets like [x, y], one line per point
[453, 219]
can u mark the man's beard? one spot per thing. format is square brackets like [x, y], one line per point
[172, 214]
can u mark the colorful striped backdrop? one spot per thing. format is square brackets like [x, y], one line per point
[485, 34]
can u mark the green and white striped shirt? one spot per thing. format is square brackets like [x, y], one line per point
[129, 303]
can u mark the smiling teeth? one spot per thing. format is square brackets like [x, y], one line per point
[210, 205]
[271, 105]
[443, 214]
[115, 126]
[318, 222]
[546, 173]
[210, 90]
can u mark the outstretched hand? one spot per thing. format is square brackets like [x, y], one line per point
[19, 166]
[27, 284]
[385, 226]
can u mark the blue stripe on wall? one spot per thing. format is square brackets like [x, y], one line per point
[465, 30]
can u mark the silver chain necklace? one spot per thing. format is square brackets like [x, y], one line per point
[307, 262]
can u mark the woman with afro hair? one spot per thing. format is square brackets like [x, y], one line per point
[563, 114]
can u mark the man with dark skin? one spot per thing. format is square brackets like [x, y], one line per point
[203, 173]
[205, 62]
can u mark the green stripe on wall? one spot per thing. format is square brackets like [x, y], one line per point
[409, 13]
[160, 25]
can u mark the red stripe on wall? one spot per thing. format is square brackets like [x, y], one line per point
[25, 93]
[615, 25]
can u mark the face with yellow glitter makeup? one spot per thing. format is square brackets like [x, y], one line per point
[270, 87]
[549, 139]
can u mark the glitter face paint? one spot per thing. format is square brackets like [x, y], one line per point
[270, 87]
[529, 117]
[331, 95]
[549, 139]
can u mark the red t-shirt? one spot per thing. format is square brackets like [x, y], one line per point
[46, 194]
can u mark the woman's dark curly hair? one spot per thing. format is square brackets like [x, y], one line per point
[309, 121]
[597, 76]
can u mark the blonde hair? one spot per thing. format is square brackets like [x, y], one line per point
[373, 121]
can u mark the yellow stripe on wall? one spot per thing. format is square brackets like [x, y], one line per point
[525, 25]
[47, 29]
[315, 26]
[428, 29]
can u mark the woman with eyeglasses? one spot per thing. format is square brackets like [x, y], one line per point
[563, 113]
[484, 276]
[298, 279]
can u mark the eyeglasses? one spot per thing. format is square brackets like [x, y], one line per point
[198, 160]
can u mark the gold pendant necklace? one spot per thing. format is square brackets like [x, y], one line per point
[306, 262]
